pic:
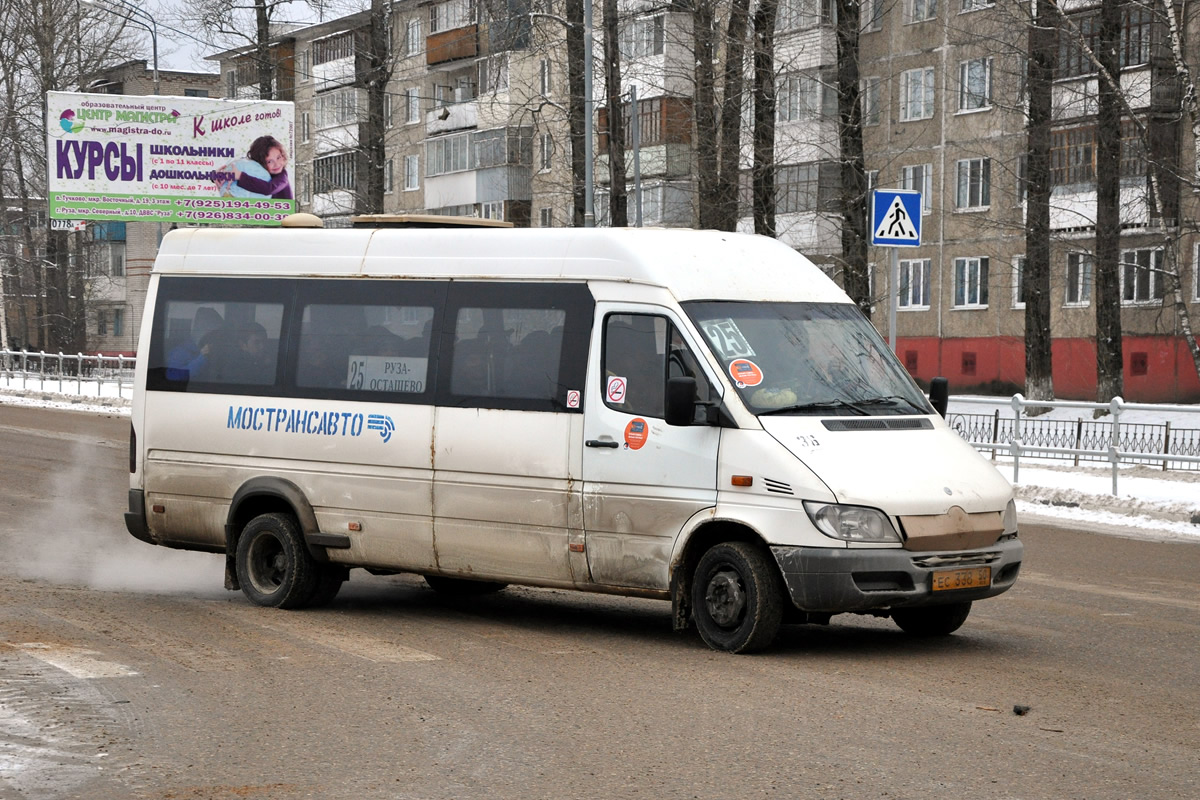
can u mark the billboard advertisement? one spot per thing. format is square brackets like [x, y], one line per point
[169, 159]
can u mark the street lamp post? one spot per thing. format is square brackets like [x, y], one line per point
[138, 16]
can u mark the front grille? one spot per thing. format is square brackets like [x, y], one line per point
[963, 560]
[877, 424]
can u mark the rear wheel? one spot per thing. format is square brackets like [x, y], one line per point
[273, 564]
[932, 620]
[737, 598]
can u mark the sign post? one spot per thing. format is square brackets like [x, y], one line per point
[895, 223]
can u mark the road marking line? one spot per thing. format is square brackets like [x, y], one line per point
[75, 661]
[1122, 594]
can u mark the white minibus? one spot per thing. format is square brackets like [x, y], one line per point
[697, 416]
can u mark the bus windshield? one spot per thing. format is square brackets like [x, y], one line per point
[807, 358]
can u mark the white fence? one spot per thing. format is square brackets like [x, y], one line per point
[1114, 452]
[87, 375]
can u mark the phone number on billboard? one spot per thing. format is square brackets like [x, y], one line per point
[203, 203]
[234, 216]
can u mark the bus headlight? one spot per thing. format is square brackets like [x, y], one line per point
[851, 523]
[1010, 517]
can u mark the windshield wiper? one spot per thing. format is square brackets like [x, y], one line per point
[890, 400]
[823, 405]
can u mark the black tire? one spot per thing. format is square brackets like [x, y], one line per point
[932, 620]
[737, 598]
[462, 587]
[328, 582]
[273, 563]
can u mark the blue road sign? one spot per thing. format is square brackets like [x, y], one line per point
[895, 218]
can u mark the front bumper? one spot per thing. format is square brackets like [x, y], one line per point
[838, 580]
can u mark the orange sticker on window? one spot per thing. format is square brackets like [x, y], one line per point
[745, 372]
[635, 433]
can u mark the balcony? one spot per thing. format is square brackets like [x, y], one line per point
[452, 45]
[452, 117]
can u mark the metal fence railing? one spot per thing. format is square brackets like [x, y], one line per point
[1113, 441]
[89, 375]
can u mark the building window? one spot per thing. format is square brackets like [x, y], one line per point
[451, 15]
[333, 48]
[798, 14]
[545, 152]
[1196, 273]
[492, 210]
[1141, 276]
[807, 187]
[970, 282]
[545, 218]
[1073, 154]
[334, 172]
[1079, 279]
[642, 37]
[412, 38]
[806, 95]
[870, 100]
[448, 154]
[412, 173]
[387, 110]
[388, 176]
[302, 66]
[116, 259]
[305, 126]
[973, 5]
[195, 92]
[1018, 282]
[102, 323]
[492, 73]
[919, 178]
[921, 10]
[412, 106]
[336, 108]
[975, 84]
[914, 283]
[118, 326]
[916, 94]
[544, 77]
[974, 183]
[1137, 22]
[872, 15]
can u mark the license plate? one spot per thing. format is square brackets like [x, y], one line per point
[948, 580]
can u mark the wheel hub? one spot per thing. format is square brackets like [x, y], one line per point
[725, 598]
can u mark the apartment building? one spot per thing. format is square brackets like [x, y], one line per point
[476, 124]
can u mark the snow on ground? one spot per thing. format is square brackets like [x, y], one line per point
[1151, 503]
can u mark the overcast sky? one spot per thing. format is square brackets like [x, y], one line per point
[179, 50]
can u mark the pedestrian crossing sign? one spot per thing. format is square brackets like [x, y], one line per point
[895, 218]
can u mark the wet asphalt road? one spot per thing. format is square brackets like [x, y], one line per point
[126, 671]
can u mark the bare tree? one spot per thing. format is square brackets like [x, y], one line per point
[856, 280]
[1109, 362]
[614, 97]
[763, 169]
[1043, 45]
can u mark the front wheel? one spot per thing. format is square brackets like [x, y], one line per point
[273, 564]
[932, 620]
[737, 598]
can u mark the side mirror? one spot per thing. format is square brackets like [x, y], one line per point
[939, 395]
[681, 401]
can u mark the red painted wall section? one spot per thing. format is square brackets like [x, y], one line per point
[1158, 369]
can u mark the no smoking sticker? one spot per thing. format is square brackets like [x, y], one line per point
[572, 398]
[745, 372]
[616, 390]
